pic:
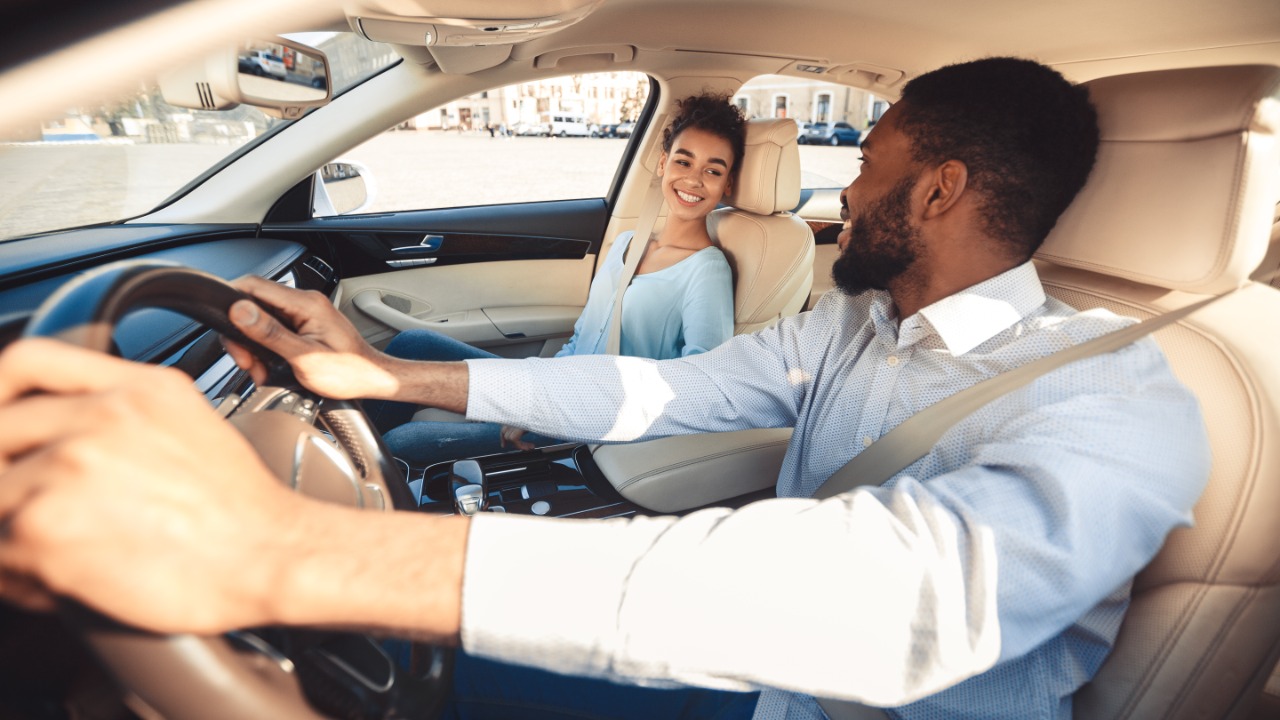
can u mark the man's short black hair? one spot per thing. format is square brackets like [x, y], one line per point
[712, 113]
[1027, 136]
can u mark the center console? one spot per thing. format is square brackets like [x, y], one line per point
[555, 481]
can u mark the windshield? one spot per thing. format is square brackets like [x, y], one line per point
[108, 161]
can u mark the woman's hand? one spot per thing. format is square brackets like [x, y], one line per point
[511, 438]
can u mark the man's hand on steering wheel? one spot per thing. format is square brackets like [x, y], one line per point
[326, 352]
[329, 357]
[104, 459]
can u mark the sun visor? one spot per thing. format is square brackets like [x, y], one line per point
[463, 24]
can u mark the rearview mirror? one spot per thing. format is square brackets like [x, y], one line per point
[282, 77]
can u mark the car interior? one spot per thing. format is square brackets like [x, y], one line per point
[1183, 205]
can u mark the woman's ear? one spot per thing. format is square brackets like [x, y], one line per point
[662, 164]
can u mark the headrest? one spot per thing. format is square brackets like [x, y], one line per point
[769, 178]
[1184, 188]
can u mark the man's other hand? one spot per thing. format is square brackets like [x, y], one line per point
[326, 352]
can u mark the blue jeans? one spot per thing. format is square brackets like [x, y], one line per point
[424, 443]
[488, 690]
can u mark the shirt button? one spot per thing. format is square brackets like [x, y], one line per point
[892, 360]
[866, 441]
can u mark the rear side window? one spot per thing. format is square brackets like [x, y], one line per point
[499, 147]
[818, 108]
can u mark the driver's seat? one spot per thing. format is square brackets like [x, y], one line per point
[1180, 207]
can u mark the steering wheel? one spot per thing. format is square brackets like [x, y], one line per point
[265, 672]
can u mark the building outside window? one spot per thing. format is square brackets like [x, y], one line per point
[822, 108]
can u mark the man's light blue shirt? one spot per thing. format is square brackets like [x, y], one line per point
[680, 310]
[987, 580]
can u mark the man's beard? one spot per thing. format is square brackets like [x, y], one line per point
[883, 244]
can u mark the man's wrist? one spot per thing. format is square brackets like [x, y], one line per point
[435, 384]
[393, 572]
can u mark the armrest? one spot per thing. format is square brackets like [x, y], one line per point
[688, 471]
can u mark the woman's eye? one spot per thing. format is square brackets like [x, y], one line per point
[683, 163]
[717, 173]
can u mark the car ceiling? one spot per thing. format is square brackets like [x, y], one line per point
[907, 36]
[918, 35]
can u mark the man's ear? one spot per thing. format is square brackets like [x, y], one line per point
[947, 183]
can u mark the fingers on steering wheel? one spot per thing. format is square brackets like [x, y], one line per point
[298, 306]
[45, 365]
[245, 360]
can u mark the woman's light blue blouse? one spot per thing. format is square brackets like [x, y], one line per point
[677, 311]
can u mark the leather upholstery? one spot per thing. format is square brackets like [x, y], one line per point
[771, 252]
[1180, 206]
[1187, 160]
[769, 180]
[769, 248]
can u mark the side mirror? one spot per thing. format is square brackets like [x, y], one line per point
[280, 76]
[341, 188]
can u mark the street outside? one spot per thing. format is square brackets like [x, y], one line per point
[47, 186]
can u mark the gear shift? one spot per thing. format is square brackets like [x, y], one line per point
[470, 492]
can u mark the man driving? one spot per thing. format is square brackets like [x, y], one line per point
[988, 579]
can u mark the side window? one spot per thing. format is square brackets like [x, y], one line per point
[554, 139]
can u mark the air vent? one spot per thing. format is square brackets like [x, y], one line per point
[319, 267]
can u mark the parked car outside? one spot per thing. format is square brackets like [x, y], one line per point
[263, 63]
[841, 133]
[624, 130]
[524, 129]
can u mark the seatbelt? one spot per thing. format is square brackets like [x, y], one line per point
[916, 436]
[653, 204]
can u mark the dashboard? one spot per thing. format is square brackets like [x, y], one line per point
[32, 270]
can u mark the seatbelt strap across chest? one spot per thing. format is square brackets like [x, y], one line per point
[653, 203]
[917, 435]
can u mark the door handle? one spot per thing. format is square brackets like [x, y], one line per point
[430, 244]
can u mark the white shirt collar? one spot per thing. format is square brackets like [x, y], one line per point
[974, 315]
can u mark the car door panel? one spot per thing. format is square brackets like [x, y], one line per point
[364, 244]
[493, 305]
[509, 278]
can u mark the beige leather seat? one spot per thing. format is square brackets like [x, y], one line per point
[771, 252]
[1179, 207]
[769, 248]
